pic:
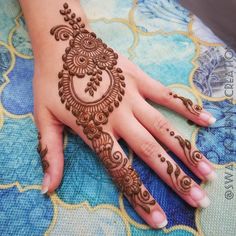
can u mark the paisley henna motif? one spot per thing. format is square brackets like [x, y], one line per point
[193, 157]
[87, 55]
[42, 153]
[180, 181]
[194, 109]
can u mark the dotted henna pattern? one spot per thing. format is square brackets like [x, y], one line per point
[87, 55]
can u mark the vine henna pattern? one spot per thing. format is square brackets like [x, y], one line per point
[180, 181]
[194, 109]
[193, 157]
[88, 55]
[42, 153]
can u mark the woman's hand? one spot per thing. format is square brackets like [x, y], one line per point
[81, 83]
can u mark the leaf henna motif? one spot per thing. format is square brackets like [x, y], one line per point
[183, 184]
[88, 55]
[192, 156]
[42, 153]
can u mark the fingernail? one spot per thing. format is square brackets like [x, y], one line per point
[212, 120]
[212, 176]
[46, 183]
[158, 219]
[207, 171]
[200, 197]
[204, 203]
[207, 118]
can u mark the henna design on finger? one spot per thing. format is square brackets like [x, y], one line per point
[188, 103]
[180, 181]
[42, 153]
[87, 55]
[121, 172]
[193, 157]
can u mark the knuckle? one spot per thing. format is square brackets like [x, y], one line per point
[165, 95]
[149, 149]
[160, 123]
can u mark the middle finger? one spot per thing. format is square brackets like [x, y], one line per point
[162, 129]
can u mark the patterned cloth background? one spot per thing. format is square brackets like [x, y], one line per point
[172, 46]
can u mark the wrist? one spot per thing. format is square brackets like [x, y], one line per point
[40, 17]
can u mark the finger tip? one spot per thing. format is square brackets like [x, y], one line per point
[212, 120]
[163, 224]
[159, 220]
[44, 190]
[205, 202]
[50, 183]
[45, 183]
[53, 186]
[212, 176]
[207, 118]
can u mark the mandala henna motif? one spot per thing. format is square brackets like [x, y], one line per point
[194, 109]
[42, 153]
[87, 55]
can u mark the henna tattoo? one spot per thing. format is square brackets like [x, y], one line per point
[122, 173]
[42, 153]
[182, 183]
[193, 157]
[88, 55]
[194, 109]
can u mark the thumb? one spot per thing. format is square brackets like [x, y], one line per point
[50, 149]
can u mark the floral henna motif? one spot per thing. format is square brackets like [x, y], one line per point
[88, 55]
[121, 172]
[42, 153]
[194, 109]
[193, 157]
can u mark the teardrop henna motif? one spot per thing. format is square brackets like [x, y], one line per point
[88, 55]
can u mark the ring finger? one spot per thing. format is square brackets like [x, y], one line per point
[146, 147]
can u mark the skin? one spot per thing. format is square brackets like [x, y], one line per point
[133, 119]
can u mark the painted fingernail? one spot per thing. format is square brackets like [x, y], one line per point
[207, 118]
[207, 171]
[200, 197]
[158, 219]
[46, 183]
